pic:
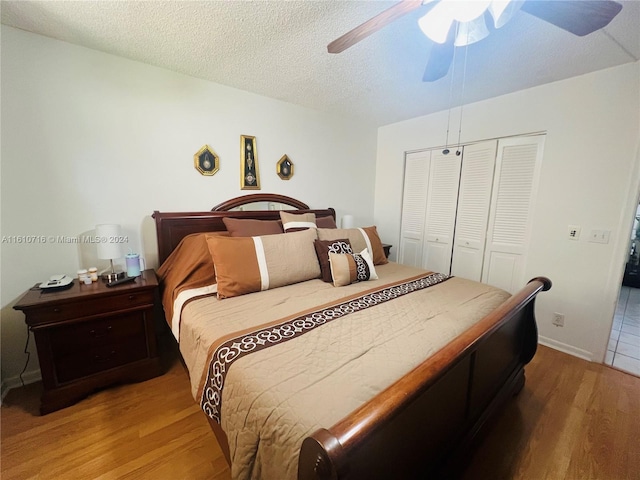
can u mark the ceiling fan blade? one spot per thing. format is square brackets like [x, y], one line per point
[578, 17]
[439, 60]
[373, 25]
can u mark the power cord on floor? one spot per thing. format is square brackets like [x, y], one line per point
[28, 353]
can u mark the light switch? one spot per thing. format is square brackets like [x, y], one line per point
[573, 232]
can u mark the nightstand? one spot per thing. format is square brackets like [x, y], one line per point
[92, 336]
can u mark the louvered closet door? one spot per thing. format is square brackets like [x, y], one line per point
[414, 206]
[476, 179]
[514, 189]
[442, 197]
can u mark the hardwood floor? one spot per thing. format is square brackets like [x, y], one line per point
[149, 430]
[572, 420]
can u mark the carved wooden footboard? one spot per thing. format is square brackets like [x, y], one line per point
[417, 425]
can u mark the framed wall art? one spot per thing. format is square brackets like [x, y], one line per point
[206, 161]
[249, 173]
[284, 168]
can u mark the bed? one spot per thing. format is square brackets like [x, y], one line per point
[381, 371]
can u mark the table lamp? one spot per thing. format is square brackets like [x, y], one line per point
[107, 236]
[347, 221]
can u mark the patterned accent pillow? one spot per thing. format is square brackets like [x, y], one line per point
[248, 227]
[360, 238]
[294, 222]
[251, 264]
[347, 268]
[323, 248]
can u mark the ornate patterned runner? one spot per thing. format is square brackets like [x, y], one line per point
[238, 347]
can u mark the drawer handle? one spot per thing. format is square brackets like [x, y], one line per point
[101, 359]
[104, 333]
[132, 297]
[57, 310]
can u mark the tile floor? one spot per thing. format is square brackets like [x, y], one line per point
[624, 344]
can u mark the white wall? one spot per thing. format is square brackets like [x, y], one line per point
[590, 177]
[91, 138]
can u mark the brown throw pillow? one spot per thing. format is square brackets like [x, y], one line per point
[323, 248]
[247, 227]
[326, 222]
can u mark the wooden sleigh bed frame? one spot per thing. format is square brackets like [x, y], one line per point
[419, 426]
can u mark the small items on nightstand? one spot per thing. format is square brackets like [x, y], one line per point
[82, 274]
[93, 274]
[120, 281]
[56, 282]
[133, 264]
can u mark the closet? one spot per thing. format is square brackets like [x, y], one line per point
[469, 215]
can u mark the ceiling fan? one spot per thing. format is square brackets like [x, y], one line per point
[451, 23]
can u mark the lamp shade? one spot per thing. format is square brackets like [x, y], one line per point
[347, 221]
[107, 236]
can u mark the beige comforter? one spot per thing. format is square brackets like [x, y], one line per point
[274, 397]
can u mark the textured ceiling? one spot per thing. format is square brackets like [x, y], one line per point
[278, 49]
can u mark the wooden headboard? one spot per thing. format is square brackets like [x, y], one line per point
[172, 227]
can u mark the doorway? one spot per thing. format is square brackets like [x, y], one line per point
[623, 351]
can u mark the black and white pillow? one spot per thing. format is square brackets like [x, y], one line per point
[347, 268]
[323, 248]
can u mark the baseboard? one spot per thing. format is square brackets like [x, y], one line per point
[563, 347]
[13, 382]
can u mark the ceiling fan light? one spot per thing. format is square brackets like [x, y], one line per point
[436, 26]
[503, 10]
[497, 8]
[465, 10]
[471, 32]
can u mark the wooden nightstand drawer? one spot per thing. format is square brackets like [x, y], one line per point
[87, 335]
[75, 365]
[90, 306]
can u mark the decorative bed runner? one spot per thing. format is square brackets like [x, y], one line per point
[237, 347]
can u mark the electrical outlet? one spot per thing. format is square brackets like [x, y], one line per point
[599, 236]
[573, 232]
[558, 319]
